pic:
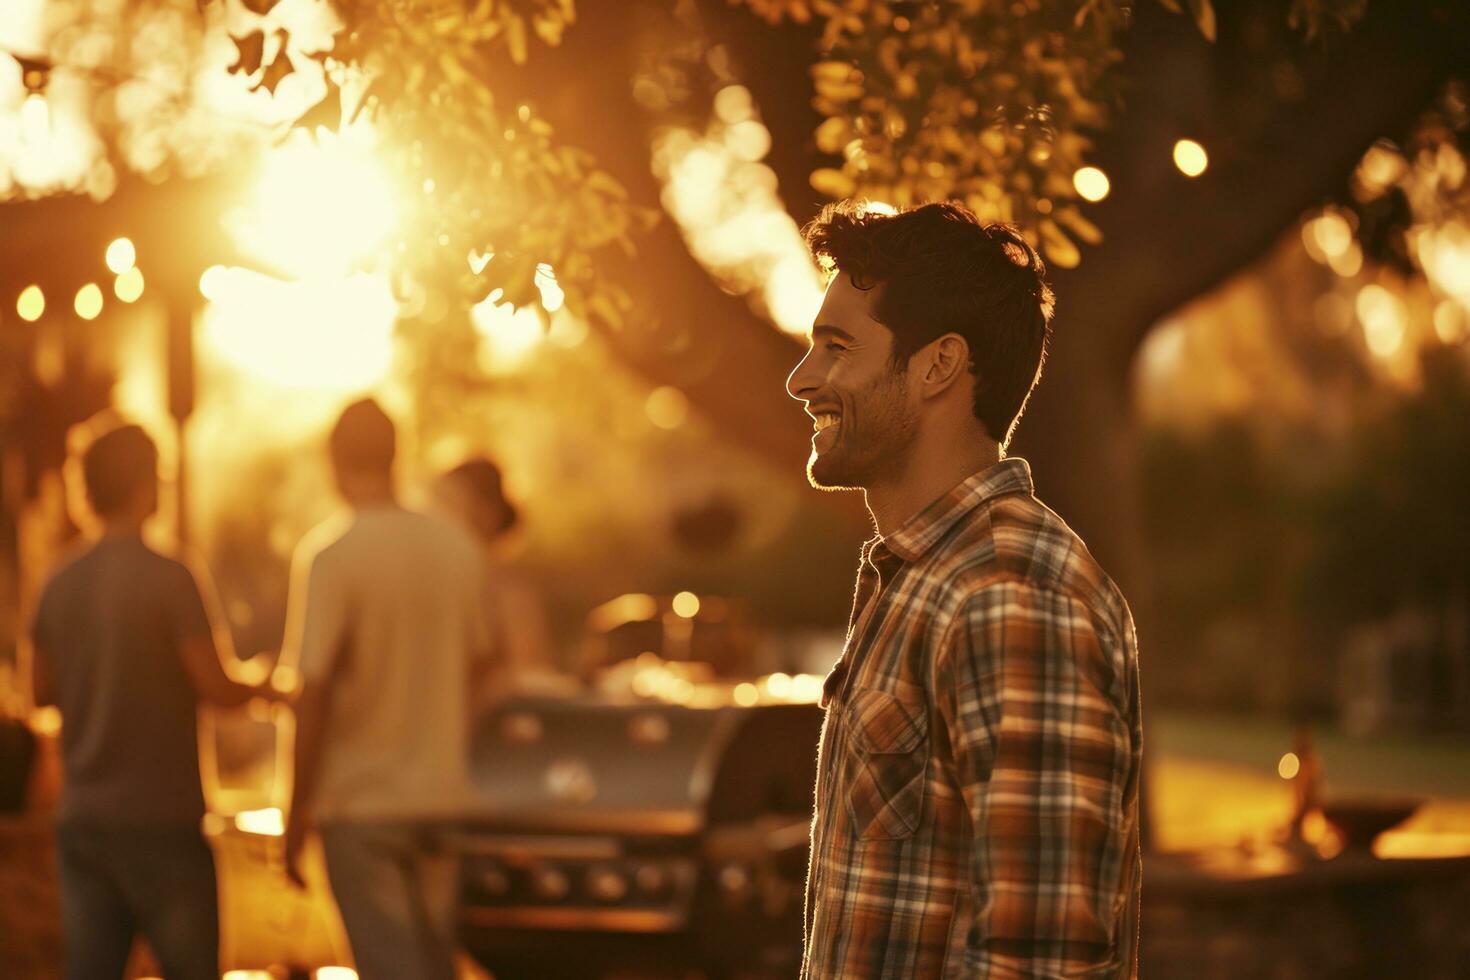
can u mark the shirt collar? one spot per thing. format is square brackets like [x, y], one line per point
[925, 529]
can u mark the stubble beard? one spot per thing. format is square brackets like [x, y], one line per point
[879, 450]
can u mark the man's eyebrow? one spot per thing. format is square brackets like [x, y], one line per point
[828, 330]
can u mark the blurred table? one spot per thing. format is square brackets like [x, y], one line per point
[1271, 912]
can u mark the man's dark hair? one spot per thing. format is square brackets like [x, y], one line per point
[364, 438]
[116, 458]
[941, 270]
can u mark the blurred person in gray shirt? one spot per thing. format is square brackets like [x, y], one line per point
[124, 644]
[387, 632]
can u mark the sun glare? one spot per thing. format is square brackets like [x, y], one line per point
[331, 334]
[322, 205]
[509, 336]
[725, 202]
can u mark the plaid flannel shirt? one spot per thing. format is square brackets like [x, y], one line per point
[977, 788]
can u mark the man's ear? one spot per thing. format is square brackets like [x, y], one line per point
[944, 362]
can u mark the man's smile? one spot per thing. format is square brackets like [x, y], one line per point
[824, 429]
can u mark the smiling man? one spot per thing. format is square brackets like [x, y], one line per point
[977, 792]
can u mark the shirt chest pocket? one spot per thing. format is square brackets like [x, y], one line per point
[888, 753]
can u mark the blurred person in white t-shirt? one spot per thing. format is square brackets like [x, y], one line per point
[386, 629]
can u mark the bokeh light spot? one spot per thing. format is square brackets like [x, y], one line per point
[1091, 183]
[1289, 766]
[1449, 322]
[1384, 318]
[686, 604]
[121, 255]
[31, 303]
[1190, 158]
[667, 407]
[88, 302]
[733, 104]
[129, 285]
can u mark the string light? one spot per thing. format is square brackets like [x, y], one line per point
[88, 303]
[121, 256]
[1190, 158]
[1091, 183]
[129, 285]
[31, 303]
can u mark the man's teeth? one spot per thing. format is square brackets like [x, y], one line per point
[824, 421]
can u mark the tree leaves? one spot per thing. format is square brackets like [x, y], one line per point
[833, 183]
[980, 102]
[276, 71]
[491, 191]
[251, 48]
[325, 114]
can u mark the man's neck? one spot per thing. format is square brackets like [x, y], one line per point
[363, 501]
[940, 461]
[121, 527]
[363, 493]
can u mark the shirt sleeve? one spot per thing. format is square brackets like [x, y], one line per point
[192, 607]
[316, 618]
[43, 620]
[44, 650]
[1044, 759]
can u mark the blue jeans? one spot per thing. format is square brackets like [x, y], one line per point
[119, 881]
[397, 886]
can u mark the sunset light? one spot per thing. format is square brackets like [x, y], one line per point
[322, 205]
[726, 203]
[330, 334]
[442, 376]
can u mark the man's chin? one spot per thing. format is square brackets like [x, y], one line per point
[826, 473]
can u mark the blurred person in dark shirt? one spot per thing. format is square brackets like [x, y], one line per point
[126, 647]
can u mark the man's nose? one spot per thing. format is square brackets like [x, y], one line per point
[803, 380]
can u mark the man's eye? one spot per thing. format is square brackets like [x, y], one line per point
[833, 345]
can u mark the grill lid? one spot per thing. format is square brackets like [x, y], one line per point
[638, 767]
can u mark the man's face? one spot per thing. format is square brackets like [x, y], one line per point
[857, 398]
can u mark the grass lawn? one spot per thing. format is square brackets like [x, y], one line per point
[1215, 781]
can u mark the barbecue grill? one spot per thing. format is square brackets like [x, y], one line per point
[629, 835]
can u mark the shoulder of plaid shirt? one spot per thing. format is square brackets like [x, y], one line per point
[1035, 688]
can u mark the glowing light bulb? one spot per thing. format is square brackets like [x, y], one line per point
[121, 256]
[35, 118]
[686, 605]
[31, 303]
[1091, 183]
[129, 285]
[1190, 158]
[88, 303]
